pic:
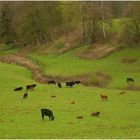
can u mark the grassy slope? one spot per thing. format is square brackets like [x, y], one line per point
[7, 49]
[119, 116]
[117, 25]
[68, 64]
[21, 119]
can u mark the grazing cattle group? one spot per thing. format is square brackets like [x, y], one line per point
[68, 84]
[28, 87]
[49, 113]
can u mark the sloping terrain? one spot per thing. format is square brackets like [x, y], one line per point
[69, 65]
[22, 119]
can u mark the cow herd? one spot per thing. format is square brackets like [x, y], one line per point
[28, 87]
[49, 113]
[68, 84]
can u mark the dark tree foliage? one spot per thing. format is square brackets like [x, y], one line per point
[6, 32]
[40, 22]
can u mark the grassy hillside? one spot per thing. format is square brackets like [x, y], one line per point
[68, 64]
[117, 25]
[119, 114]
[22, 119]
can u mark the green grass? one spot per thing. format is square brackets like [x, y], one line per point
[7, 49]
[21, 119]
[119, 115]
[117, 25]
[68, 65]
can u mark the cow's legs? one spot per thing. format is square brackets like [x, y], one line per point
[42, 116]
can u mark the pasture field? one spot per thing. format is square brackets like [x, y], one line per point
[68, 64]
[22, 119]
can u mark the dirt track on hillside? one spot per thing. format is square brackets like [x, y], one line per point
[36, 69]
[101, 81]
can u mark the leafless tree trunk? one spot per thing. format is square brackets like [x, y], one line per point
[83, 19]
[103, 29]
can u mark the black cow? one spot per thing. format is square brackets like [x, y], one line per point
[47, 112]
[69, 84]
[51, 82]
[59, 85]
[28, 87]
[25, 95]
[18, 89]
[77, 82]
[130, 79]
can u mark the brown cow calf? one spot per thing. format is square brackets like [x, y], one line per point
[95, 114]
[73, 102]
[80, 117]
[104, 97]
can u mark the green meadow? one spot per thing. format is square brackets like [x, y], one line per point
[68, 64]
[119, 116]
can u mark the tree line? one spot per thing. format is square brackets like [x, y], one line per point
[38, 23]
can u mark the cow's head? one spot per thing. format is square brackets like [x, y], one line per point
[98, 112]
[52, 117]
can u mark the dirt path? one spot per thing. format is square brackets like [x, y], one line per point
[27, 63]
[36, 70]
[38, 75]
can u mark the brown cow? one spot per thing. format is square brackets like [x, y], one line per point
[95, 114]
[104, 97]
[123, 92]
[73, 102]
[53, 96]
[80, 117]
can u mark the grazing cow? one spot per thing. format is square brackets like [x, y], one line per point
[51, 82]
[77, 82]
[28, 87]
[130, 79]
[95, 114]
[47, 112]
[123, 92]
[73, 102]
[18, 89]
[104, 97]
[25, 95]
[53, 96]
[79, 117]
[69, 84]
[59, 85]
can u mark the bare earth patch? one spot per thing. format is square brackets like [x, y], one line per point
[131, 87]
[99, 78]
[128, 60]
[97, 52]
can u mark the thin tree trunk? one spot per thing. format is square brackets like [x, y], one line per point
[103, 29]
[83, 20]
